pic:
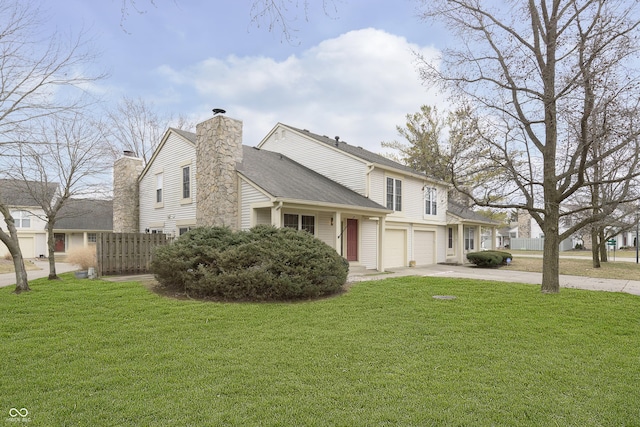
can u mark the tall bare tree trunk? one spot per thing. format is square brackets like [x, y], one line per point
[595, 247]
[51, 245]
[12, 243]
[604, 257]
[551, 251]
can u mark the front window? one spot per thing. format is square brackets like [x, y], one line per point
[300, 222]
[22, 219]
[394, 194]
[186, 182]
[430, 201]
[469, 238]
[92, 237]
[450, 238]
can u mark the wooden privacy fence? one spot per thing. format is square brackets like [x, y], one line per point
[126, 253]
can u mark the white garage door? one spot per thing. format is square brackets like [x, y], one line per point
[27, 246]
[395, 248]
[423, 244]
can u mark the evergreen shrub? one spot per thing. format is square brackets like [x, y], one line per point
[489, 258]
[261, 264]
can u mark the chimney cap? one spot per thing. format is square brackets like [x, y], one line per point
[218, 111]
[129, 153]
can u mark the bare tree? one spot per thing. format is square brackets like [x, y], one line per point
[69, 154]
[135, 125]
[525, 66]
[39, 75]
[277, 15]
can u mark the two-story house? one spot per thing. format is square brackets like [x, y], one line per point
[372, 210]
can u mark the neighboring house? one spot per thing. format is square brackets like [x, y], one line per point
[375, 212]
[78, 222]
[529, 228]
[465, 232]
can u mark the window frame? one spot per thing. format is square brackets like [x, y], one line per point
[469, 239]
[431, 201]
[393, 190]
[186, 183]
[159, 189]
[21, 219]
[299, 223]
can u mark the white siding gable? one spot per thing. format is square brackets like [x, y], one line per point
[249, 196]
[332, 163]
[173, 155]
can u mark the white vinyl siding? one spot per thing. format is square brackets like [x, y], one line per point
[326, 232]
[176, 152]
[249, 196]
[320, 157]
[369, 244]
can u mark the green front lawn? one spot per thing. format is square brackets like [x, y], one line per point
[81, 352]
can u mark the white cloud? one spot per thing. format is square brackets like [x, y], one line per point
[359, 86]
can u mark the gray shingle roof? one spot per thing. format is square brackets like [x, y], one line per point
[15, 192]
[361, 153]
[282, 177]
[465, 213]
[85, 214]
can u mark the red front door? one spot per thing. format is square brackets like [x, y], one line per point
[59, 245]
[352, 239]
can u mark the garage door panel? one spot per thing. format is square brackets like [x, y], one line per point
[395, 248]
[423, 247]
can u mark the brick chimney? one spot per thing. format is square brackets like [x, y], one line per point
[126, 210]
[218, 151]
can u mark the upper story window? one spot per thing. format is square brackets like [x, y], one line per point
[300, 222]
[22, 219]
[159, 188]
[186, 182]
[394, 194]
[430, 201]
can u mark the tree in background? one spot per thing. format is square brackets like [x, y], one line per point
[533, 73]
[69, 155]
[136, 126]
[38, 75]
[424, 149]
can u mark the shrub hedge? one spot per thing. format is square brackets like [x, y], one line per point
[489, 258]
[261, 264]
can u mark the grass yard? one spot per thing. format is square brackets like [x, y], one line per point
[581, 267]
[93, 353]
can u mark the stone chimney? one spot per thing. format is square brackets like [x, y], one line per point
[126, 211]
[524, 224]
[218, 151]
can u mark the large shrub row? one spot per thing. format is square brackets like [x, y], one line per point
[261, 264]
[489, 258]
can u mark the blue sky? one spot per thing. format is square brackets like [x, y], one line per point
[350, 72]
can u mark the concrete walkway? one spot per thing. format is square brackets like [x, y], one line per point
[8, 279]
[503, 274]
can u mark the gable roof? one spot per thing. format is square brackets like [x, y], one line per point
[15, 192]
[86, 214]
[281, 177]
[363, 154]
[467, 215]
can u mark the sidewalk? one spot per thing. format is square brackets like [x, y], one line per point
[8, 279]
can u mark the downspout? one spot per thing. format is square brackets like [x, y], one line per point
[368, 180]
